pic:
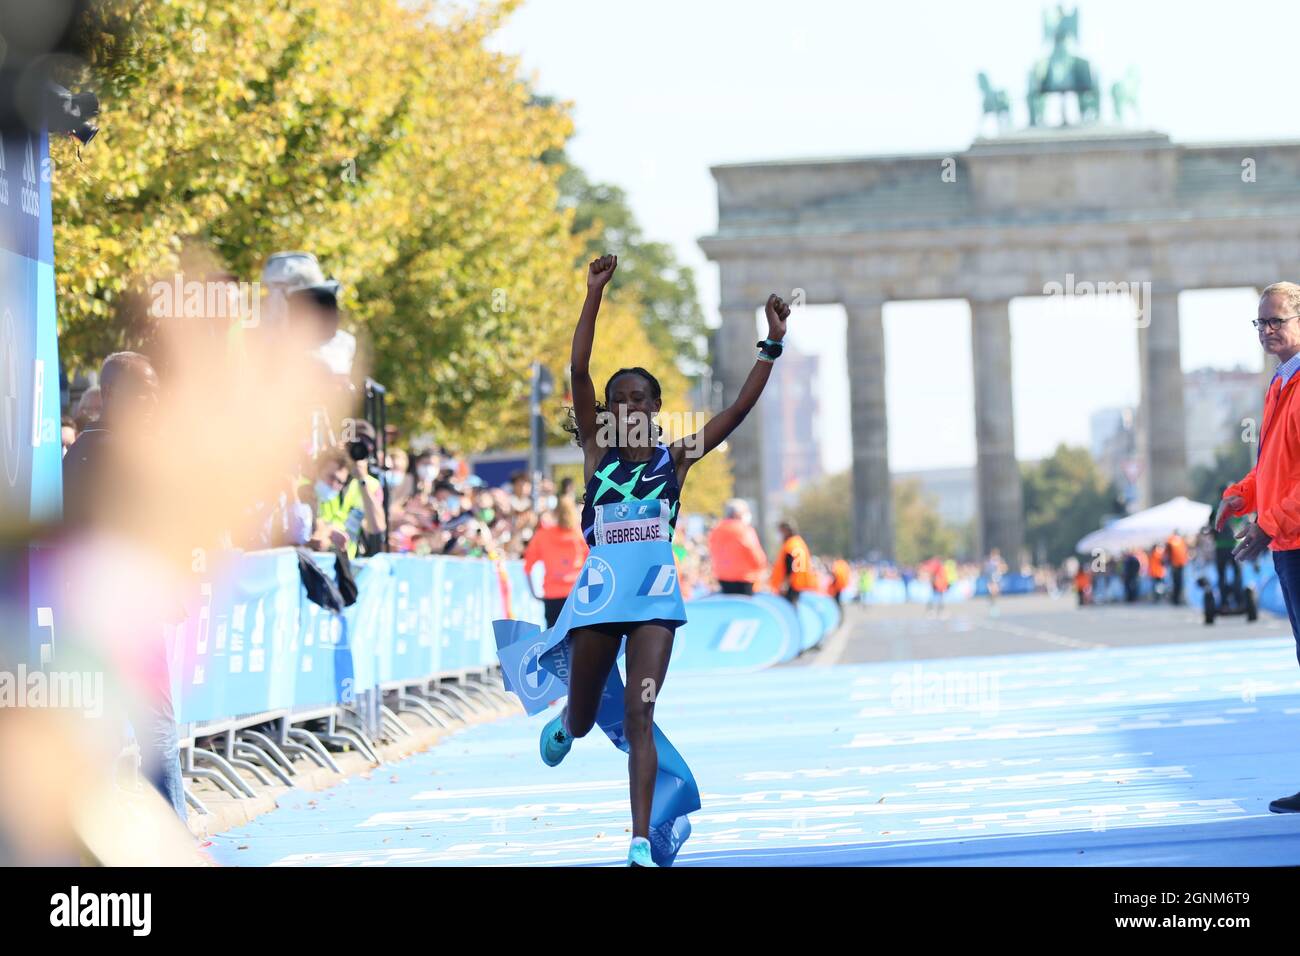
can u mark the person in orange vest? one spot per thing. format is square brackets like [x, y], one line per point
[838, 584]
[792, 571]
[938, 584]
[735, 551]
[839, 580]
[561, 550]
[1083, 584]
[1176, 551]
[1156, 569]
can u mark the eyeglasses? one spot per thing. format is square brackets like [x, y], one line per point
[1274, 323]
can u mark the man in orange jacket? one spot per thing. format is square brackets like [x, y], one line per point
[1176, 552]
[1272, 489]
[1156, 569]
[792, 571]
[735, 551]
[839, 580]
[558, 545]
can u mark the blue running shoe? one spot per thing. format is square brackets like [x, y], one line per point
[555, 742]
[639, 853]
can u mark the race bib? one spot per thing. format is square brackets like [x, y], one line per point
[632, 522]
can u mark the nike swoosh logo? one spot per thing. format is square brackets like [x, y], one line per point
[646, 479]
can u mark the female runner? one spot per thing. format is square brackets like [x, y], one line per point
[631, 464]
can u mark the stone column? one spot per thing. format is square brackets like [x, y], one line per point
[733, 358]
[1001, 504]
[873, 503]
[1163, 435]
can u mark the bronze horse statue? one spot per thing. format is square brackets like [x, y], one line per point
[1064, 71]
[996, 102]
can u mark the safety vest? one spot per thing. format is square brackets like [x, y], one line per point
[802, 577]
[839, 576]
[561, 551]
[1156, 565]
[348, 511]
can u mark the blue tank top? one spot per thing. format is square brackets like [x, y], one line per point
[616, 480]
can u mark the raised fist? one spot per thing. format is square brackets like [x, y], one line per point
[601, 271]
[777, 312]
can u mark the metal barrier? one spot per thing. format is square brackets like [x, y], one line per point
[263, 678]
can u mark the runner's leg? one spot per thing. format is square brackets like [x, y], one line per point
[591, 655]
[649, 648]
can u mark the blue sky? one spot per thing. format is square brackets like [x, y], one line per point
[663, 91]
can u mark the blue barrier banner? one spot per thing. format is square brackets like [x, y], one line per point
[523, 606]
[414, 652]
[31, 448]
[252, 641]
[462, 607]
[810, 623]
[737, 633]
[789, 619]
[826, 611]
[1008, 584]
[617, 583]
[370, 620]
[237, 649]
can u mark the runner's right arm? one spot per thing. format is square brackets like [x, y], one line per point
[584, 391]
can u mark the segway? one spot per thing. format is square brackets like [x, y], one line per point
[1215, 608]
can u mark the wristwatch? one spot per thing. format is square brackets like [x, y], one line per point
[770, 349]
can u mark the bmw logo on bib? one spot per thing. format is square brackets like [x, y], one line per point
[595, 587]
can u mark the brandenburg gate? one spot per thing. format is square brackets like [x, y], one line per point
[1018, 214]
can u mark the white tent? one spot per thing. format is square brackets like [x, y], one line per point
[1147, 528]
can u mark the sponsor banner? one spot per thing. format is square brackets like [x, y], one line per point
[736, 633]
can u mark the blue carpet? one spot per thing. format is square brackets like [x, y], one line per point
[1157, 755]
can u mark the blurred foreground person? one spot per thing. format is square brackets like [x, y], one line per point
[94, 486]
[154, 492]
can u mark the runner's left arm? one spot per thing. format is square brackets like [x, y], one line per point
[690, 449]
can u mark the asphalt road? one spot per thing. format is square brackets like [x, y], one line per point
[1022, 625]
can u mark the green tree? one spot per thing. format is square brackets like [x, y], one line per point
[824, 515]
[648, 272]
[919, 531]
[1065, 497]
[1232, 460]
[385, 137]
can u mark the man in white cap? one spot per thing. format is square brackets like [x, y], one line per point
[297, 291]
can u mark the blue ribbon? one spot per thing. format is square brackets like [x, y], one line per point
[618, 582]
